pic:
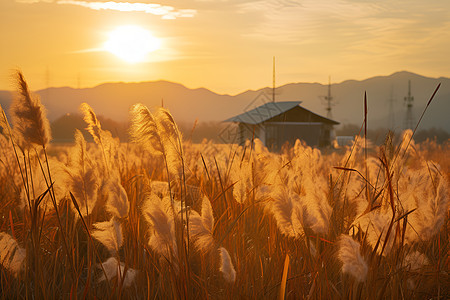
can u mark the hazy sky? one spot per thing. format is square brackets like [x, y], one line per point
[224, 45]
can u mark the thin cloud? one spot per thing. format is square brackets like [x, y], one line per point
[165, 11]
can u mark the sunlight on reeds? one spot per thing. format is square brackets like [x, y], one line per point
[161, 217]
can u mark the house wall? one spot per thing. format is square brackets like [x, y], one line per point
[250, 132]
[278, 133]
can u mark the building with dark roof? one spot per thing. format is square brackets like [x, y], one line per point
[278, 123]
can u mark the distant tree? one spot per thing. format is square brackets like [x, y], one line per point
[378, 135]
[438, 134]
[63, 128]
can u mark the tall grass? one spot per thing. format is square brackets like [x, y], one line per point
[165, 218]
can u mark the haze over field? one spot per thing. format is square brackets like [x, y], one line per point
[113, 100]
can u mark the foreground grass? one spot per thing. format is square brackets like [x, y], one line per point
[163, 218]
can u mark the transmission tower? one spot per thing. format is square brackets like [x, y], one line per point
[409, 100]
[328, 100]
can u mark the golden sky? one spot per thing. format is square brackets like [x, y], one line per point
[224, 45]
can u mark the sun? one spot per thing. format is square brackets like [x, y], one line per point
[131, 43]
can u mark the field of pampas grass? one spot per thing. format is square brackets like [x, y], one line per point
[163, 218]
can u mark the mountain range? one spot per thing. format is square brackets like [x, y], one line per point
[113, 100]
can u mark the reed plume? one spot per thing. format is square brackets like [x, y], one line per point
[12, 256]
[93, 124]
[315, 199]
[377, 225]
[4, 125]
[160, 188]
[241, 176]
[426, 192]
[109, 233]
[415, 261]
[101, 137]
[281, 206]
[159, 213]
[144, 130]
[159, 134]
[226, 266]
[117, 203]
[352, 261]
[82, 179]
[298, 219]
[28, 117]
[40, 184]
[201, 227]
[259, 147]
[113, 268]
[172, 141]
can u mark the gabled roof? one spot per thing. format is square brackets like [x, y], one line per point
[271, 110]
[264, 112]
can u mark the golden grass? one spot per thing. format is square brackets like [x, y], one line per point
[178, 220]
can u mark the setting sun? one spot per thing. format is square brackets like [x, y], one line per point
[131, 43]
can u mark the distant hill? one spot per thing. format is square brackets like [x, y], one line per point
[113, 100]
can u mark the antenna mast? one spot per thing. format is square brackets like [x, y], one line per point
[409, 100]
[273, 83]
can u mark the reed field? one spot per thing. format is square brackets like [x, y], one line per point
[163, 218]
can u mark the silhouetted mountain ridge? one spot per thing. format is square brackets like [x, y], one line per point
[113, 100]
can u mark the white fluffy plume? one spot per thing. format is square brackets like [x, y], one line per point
[28, 116]
[160, 214]
[82, 179]
[12, 256]
[158, 133]
[226, 266]
[201, 227]
[352, 261]
[109, 233]
[113, 268]
[117, 203]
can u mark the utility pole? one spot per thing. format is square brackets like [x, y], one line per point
[409, 100]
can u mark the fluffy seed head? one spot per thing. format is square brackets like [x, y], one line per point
[117, 203]
[415, 261]
[159, 213]
[12, 257]
[201, 227]
[113, 267]
[352, 261]
[226, 266]
[94, 127]
[28, 116]
[82, 180]
[144, 130]
[109, 233]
